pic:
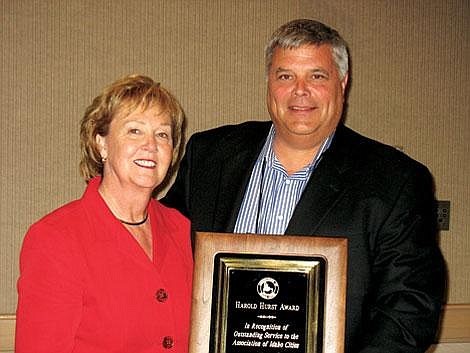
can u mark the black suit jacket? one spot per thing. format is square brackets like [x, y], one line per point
[374, 195]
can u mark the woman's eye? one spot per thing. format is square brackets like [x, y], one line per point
[134, 131]
[163, 135]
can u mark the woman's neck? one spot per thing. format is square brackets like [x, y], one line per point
[125, 206]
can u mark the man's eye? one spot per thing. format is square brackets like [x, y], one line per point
[318, 76]
[283, 77]
[134, 131]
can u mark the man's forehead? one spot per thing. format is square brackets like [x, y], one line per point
[302, 55]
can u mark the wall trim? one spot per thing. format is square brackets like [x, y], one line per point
[455, 323]
[455, 327]
[7, 332]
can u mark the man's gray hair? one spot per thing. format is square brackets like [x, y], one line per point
[301, 32]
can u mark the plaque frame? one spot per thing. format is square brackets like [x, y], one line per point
[208, 245]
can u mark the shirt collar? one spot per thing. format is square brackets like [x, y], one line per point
[267, 152]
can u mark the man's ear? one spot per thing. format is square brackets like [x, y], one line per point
[344, 82]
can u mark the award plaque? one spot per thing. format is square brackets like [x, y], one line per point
[262, 293]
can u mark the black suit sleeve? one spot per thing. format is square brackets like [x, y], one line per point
[407, 273]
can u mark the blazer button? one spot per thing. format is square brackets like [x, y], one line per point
[167, 342]
[161, 295]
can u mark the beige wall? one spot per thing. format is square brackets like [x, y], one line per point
[409, 89]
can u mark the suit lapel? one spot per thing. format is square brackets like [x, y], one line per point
[239, 178]
[319, 196]
[325, 187]
[234, 174]
[322, 192]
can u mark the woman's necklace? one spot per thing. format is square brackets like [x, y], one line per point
[135, 223]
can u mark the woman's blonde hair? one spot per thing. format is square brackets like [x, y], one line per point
[125, 96]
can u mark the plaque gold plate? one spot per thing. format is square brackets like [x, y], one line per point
[261, 293]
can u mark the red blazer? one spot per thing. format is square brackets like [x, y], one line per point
[87, 286]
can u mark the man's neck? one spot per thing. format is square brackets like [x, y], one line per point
[299, 151]
[294, 158]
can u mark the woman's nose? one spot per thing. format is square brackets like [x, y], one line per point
[151, 143]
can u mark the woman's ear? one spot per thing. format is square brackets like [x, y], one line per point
[101, 144]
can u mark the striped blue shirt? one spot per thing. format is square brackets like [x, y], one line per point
[272, 194]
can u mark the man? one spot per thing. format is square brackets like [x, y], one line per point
[308, 174]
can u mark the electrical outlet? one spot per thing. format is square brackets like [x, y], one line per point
[443, 215]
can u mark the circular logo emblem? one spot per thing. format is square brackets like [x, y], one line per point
[267, 288]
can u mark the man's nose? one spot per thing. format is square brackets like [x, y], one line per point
[300, 88]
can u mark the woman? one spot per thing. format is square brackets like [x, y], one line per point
[111, 272]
